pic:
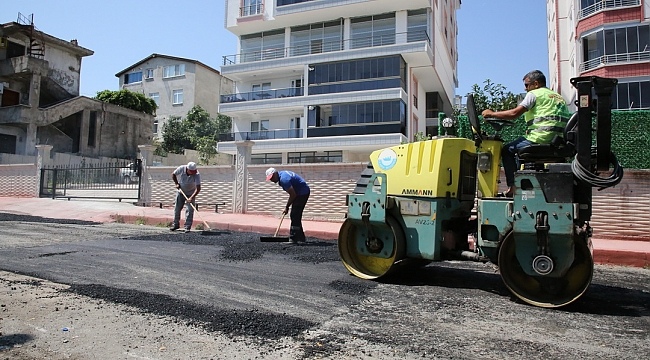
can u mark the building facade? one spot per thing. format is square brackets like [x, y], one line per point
[332, 81]
[40, 103]
[608, 38]
[176, 85]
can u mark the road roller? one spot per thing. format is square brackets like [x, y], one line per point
[438, 200]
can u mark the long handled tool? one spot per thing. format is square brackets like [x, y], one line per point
[275, 237]
[203, 232]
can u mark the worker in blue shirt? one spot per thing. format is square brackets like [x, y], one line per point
[298, 191]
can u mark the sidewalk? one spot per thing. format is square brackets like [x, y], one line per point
[615, 252]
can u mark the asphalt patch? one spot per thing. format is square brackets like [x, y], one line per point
[251, 323]
[43, 220]
[243, 246]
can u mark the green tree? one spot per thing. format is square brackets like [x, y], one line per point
[197, 131]
[128, 99]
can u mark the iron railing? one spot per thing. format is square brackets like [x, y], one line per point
[262, 135]
[327, 46]
[262, 95]
[613, 59]
[115, 180]
[604, 5]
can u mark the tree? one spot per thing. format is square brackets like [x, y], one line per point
[198, 131]
[128, 99]
[493, 96]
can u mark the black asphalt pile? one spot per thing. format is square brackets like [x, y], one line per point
[39, 219]
[252, 322]
[242, 246]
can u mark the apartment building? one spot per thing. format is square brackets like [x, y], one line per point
[176, 84]
[40, 103]
[608, 38]
[332, 81]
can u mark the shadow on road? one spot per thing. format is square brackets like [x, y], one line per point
[9, 341]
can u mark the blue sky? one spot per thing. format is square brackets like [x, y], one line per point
[500, 40]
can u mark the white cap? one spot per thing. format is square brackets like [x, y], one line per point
[191, 167]
[269, 173]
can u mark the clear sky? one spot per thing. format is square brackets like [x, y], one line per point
[500, 40]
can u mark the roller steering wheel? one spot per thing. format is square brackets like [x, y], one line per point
[498, 124]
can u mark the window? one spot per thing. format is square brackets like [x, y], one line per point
[315, 157]
[173, 70]
[417, 28]
[251, 7]
[92, 128]
[316, 38]
[370, 31]
[260, 91]
[148, 73]
[631, 96]
[262, 46]
[133, 77]
[155, 126]
[259, 130]
[275, 158]
[155, 97]
[177, 97]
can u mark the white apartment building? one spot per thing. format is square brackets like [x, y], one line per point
[176, 85]
[608, 38]
[333, 80]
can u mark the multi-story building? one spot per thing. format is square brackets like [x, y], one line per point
[608, 38]
[331, 81]
[176, 85]
[40, 102]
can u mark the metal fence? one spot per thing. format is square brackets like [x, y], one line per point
[115, 180]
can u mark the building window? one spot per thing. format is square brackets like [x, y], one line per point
[251, 7]
[633, 95]
[262, 46]
[358, 75]
[155, 97]
[417, 28]
[133, 77]
[173, 70]
[148, 74]
[317, 38]
[92, 128]
[315, 157]
[392, 111]
[275, 158]
[155, 126]
[177, 97]
[368, 31]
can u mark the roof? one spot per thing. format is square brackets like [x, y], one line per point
[11, 28]
[166, 57]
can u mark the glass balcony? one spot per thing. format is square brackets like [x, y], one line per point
[327, 46]
[262, 135]
[262, 95]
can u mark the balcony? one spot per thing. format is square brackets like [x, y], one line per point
[262, 135]
[327, 46]
[614, 60]
[606, 5]
[262, 95]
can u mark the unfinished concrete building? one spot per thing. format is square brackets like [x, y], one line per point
[40, 101]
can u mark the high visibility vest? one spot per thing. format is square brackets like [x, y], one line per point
[547, 118]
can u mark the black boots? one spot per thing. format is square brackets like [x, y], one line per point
[296, 235]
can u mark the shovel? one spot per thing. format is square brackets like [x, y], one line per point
[275, 237]
[209, 231]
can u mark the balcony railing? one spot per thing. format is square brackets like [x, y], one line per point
[262, 95]
[613, 59]
[315, 47]
[262, 135]
[604, 5]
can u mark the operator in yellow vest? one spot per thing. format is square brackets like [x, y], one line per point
[546, 115]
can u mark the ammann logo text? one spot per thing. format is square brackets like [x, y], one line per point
[417, 192]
